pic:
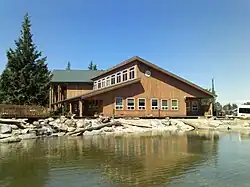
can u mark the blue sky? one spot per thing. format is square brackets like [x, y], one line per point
[196, 39]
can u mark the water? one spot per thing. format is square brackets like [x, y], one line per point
[193, 159]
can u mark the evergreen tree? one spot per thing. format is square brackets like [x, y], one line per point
[68, 66]
[26, 78]
[94, 67]
[90, 66]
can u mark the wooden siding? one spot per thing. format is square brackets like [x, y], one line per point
[74, 89]
[158, 85]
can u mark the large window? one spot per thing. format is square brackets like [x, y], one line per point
[174, 104]
[103, 83]
[125, 75]
[95, 85]
[141, 104]
[99, 84]
[112, 79]
[108, 81]
[164, 104]
[130, 103]
[118, 103]
[154, 104]
[195, 106]
[244, 110]
[132, 73]
[118, 78]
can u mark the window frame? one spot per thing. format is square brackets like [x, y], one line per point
[108, 80]
[118, 75]
[176, 107]
[99, 82]
[103, 82]
[124, 72]
[165, 107]
[141, 107]
[131, 70]
[112, 77]
[118, 107]
[197, 107]
[155, 107]
[95, 85]
[128, 107]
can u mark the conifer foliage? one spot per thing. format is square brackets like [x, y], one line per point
[26, 78]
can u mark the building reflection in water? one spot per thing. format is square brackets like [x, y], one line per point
[125, 160]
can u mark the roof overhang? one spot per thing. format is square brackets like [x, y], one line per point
[101, 91]
[136, 58]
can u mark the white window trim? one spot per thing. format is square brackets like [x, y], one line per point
[195, 106]
[130, 106]
[109, 77]
[99, 81]
[154, 106]
[165, 106]
[119, 105]
[103, 80]
[116, 77]
[175, 106]
[95, 85]
[139, 103]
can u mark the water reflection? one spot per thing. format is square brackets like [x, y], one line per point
[143, 160]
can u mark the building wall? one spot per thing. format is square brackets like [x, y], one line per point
[158, 85]
[76, 89]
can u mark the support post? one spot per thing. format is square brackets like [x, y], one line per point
[70, 108]
[50, 97]
[80, 108]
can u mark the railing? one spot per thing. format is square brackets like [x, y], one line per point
[22, 111]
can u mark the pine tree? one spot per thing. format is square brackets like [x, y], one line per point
[90, 66]
[68, 66]
[94, 67]
[26, 78]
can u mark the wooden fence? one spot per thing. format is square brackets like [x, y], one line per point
[23, 111]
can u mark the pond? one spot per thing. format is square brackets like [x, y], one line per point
[192, 159]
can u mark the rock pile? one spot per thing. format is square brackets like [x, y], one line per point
[15, 130]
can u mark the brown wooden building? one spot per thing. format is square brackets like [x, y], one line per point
[133, 88]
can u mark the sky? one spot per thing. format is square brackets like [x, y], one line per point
[195, 39]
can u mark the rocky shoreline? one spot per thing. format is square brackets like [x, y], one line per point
[16, 130]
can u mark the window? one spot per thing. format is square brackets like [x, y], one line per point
[108, 81]
[103, 83]
[131, 104]
[154, 104]
[118, 103]
[118, 78]
[132, 73]
[112, 79]
[164, 104]
[244, 110]
[174, 104]
[125, 75]
[99, 84]
[141, 104]
[95, 85]
[194, 105]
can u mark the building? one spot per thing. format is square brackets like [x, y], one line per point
[133, 88]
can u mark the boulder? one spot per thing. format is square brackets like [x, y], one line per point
[70, 123]
[71, 129]
[10, 140]
[50, 119]
[58, 134]
[5, 128]
[14, 127]
[105, 119]
[80, 123]
[62, 119]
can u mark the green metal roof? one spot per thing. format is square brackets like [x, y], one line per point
[74, 75]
